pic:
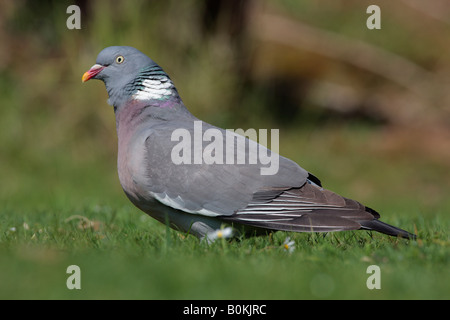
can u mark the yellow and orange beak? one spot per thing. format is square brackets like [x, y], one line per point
[92, 72]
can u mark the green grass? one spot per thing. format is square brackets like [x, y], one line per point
[131, 256]
[124, 254]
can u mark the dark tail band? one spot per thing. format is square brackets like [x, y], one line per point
[385, 228]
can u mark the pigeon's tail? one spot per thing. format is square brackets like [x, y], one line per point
[385, 228]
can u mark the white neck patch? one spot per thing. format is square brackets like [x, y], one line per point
[155, 89]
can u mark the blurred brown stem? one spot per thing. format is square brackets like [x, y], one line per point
[278, 29]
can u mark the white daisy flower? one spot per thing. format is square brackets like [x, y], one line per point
[224, 233]
[289, 245]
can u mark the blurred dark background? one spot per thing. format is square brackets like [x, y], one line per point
[360, 108]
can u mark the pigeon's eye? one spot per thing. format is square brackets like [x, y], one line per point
[120, 59]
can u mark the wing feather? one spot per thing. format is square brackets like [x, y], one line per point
[308, 208]
[211, 189]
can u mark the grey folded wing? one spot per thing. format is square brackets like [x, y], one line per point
[305, 209]
[211, 189]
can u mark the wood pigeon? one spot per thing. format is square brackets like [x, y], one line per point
[197, 177]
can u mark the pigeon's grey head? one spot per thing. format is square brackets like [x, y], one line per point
[124, 70]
